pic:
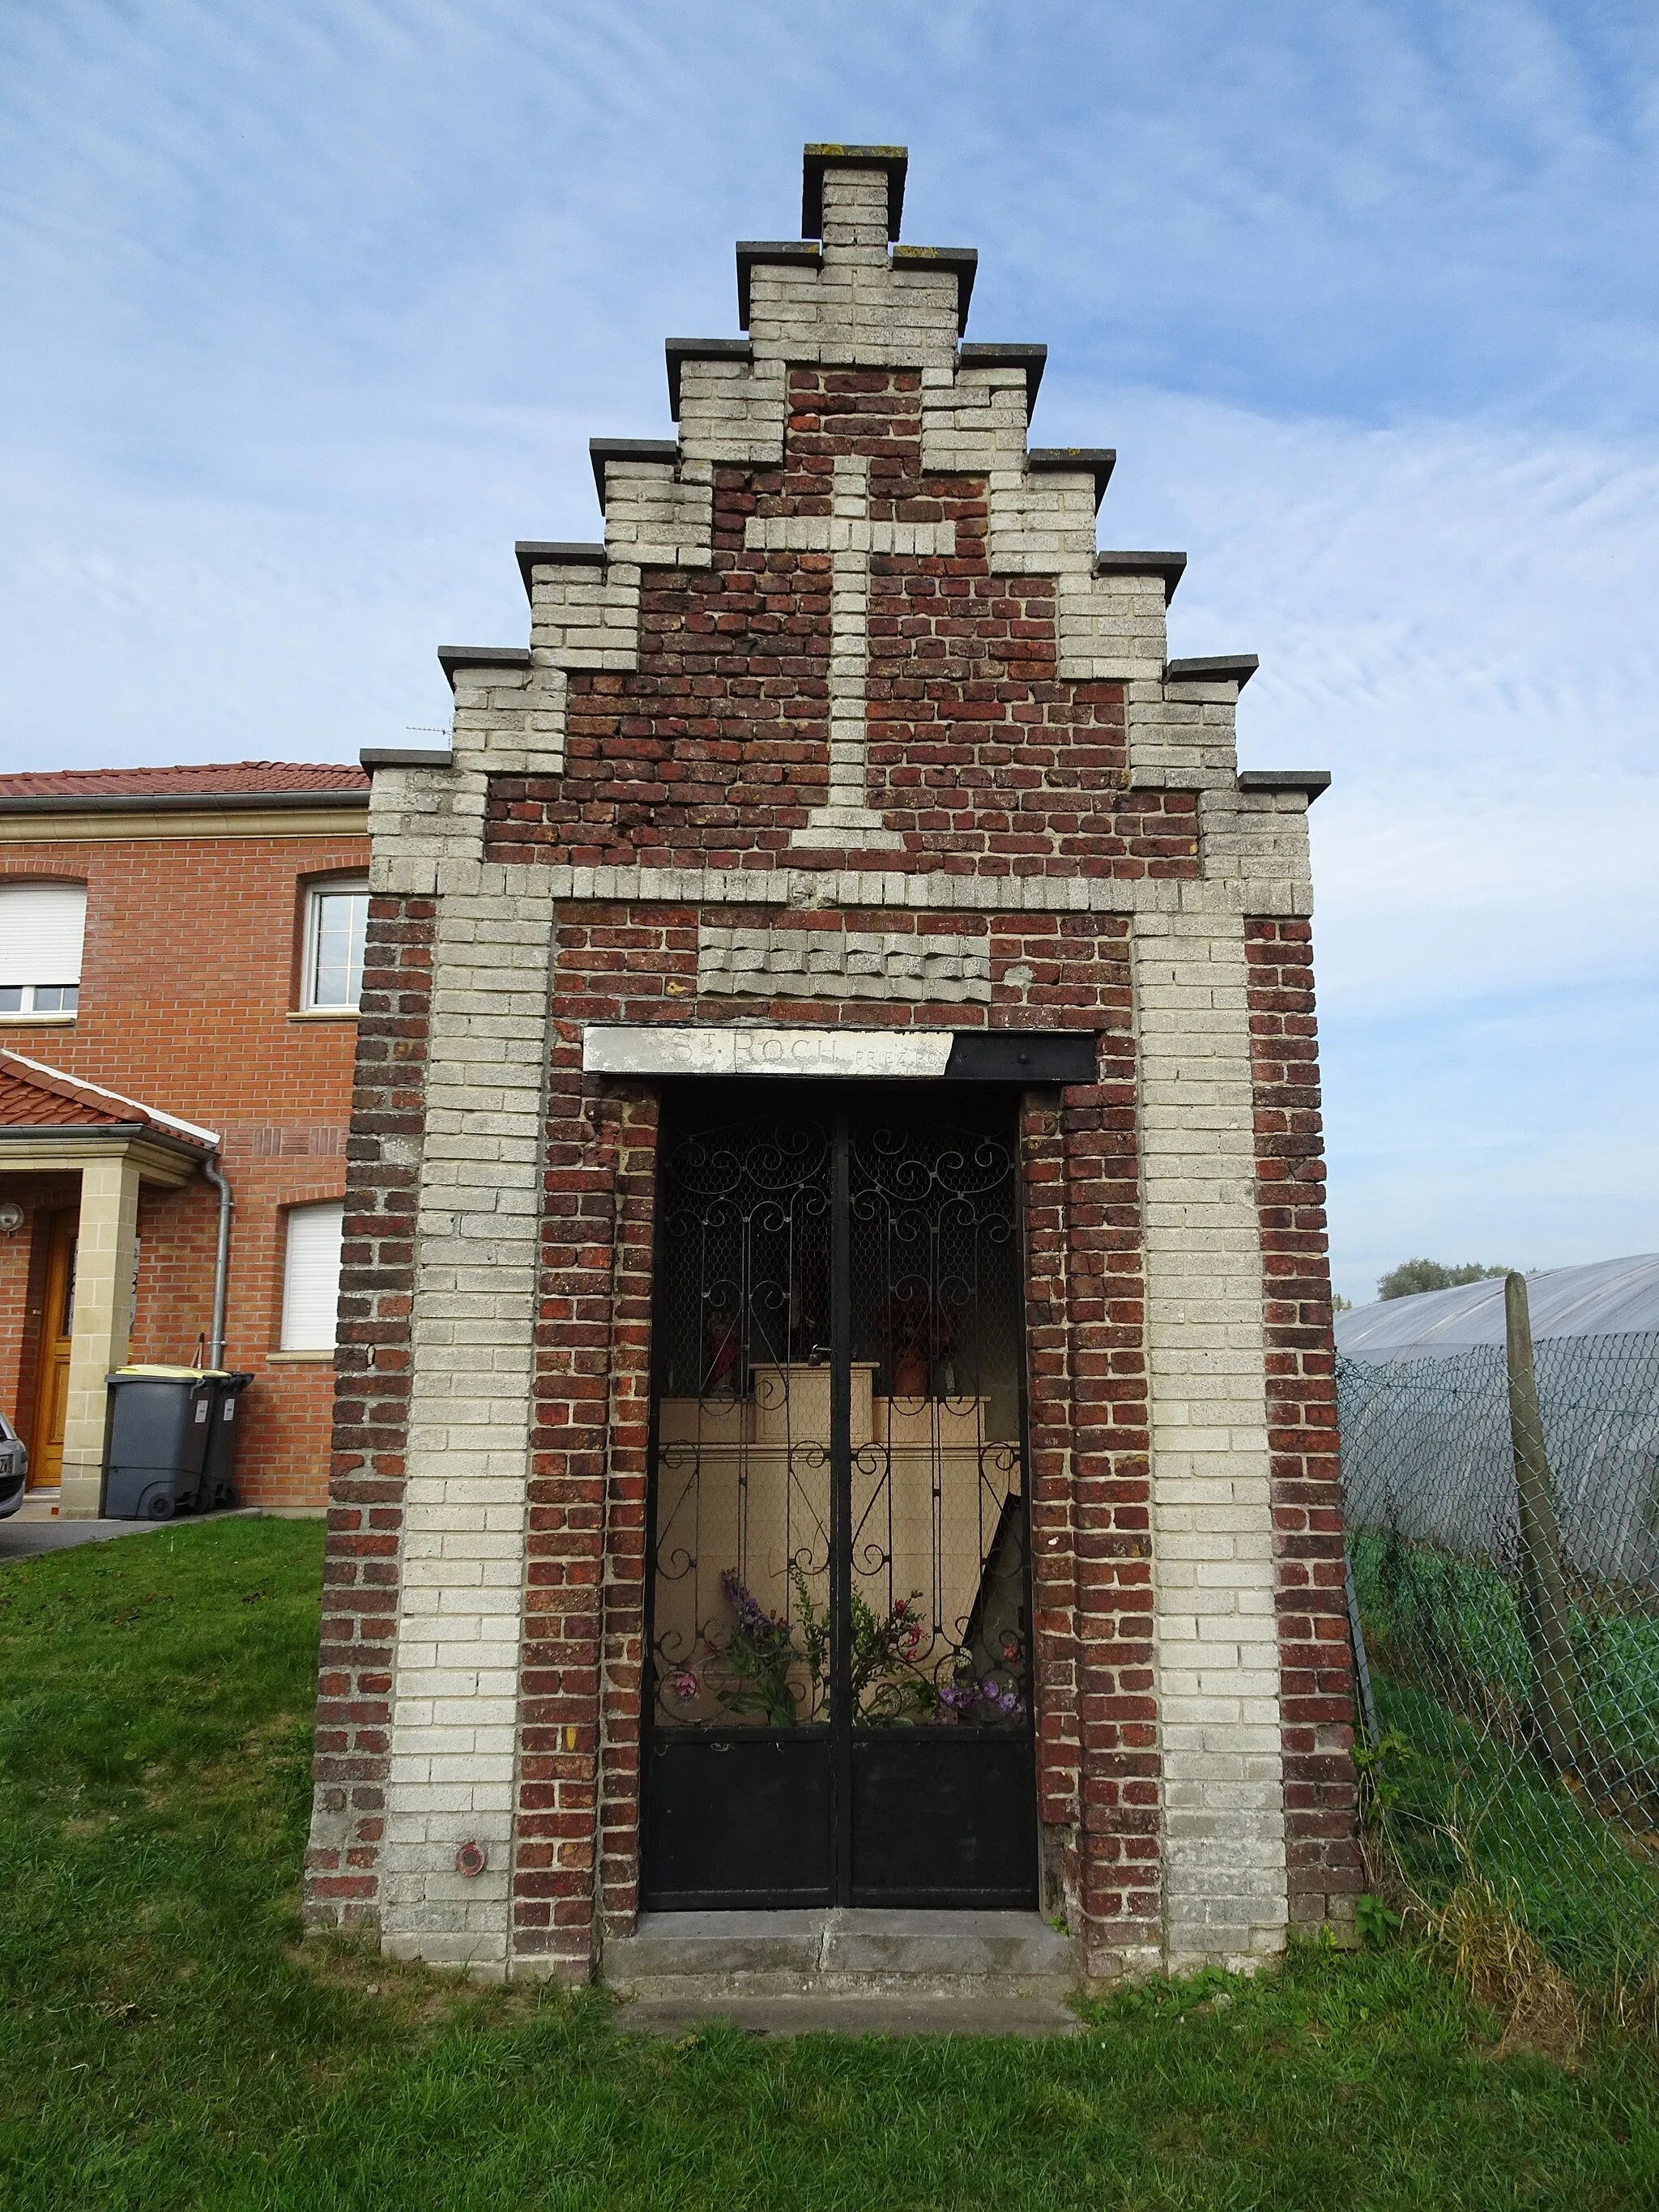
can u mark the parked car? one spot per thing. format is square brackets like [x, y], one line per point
[14, 1468]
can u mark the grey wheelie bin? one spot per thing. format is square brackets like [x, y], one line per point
[160, 1418]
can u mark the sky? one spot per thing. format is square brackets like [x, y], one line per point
[310, 311]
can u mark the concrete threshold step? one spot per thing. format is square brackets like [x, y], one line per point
[885, 2014]
[695, 1957]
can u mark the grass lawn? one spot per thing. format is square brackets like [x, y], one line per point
[168, 2042]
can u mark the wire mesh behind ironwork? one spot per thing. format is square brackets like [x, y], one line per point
[1518, 1712]
[744, 1576]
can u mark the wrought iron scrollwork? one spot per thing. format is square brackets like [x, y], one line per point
[939, 1546]
[935, 1572]
[741, 1555]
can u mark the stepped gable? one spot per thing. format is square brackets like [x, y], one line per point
[850, 610]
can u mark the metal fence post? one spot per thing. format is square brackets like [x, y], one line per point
[1362, 1666]
[1545, 1617]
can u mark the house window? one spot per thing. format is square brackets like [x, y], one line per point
[42, 926]
[336, 916]
[311, 1276]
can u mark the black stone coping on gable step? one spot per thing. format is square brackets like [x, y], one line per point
[1224, 668]
[1312, 780]
[1171, 566]
[1030, 358]
[753, 252]
[554, 553]
[601, 450]
[374, 756]
[816, 159]
[963, 260]
[452, 657]
[677, 350]
[1022, 1056]
[1097, 461]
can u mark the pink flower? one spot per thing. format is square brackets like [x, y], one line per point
[684, 1685]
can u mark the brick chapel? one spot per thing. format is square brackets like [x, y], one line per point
[835, 1401]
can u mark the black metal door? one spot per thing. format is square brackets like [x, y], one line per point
[838, 1705]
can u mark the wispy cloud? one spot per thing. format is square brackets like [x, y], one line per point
[311, 310]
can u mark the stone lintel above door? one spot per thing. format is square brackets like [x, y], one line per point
[766, 1049]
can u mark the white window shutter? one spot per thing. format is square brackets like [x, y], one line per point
[311, 1276]
[41, 928]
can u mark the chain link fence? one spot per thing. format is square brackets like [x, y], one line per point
[1508, 1631]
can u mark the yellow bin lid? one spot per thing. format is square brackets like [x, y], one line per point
[175, 1374]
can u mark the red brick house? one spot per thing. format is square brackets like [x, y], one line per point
[180, 958]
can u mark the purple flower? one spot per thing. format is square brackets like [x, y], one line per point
[763, 1631]
[750, 1615]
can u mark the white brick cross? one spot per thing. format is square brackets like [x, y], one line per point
[849, 538]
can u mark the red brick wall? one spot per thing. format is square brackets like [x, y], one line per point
[578, 1813]
[371, 1414]
[1096, 1711]
[1097, 1765]
[1098, 1392]
[1096, 1716]
[715, 752]
[712, 754]
[1316, 1667]
[189, 983]
[623, 1621]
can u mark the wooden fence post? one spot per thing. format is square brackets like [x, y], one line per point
[1545, 1617]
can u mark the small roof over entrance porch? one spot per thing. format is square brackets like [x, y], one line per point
[54, 1122]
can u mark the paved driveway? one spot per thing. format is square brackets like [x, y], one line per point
[26, 1535]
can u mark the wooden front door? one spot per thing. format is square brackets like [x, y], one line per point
[57, 1323]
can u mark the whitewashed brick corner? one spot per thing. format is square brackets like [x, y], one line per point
[420, 815]
[658, 516]
[1247, 836]
[454, 1730]
[733, 412]
[584, 616]
[510, 721]
[1215, 1634]
[1182, 737]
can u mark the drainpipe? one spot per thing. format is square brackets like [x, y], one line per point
[220, 1263]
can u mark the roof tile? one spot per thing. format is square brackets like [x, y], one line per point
[222, 779]
[33, 1095]
[30, 1105]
